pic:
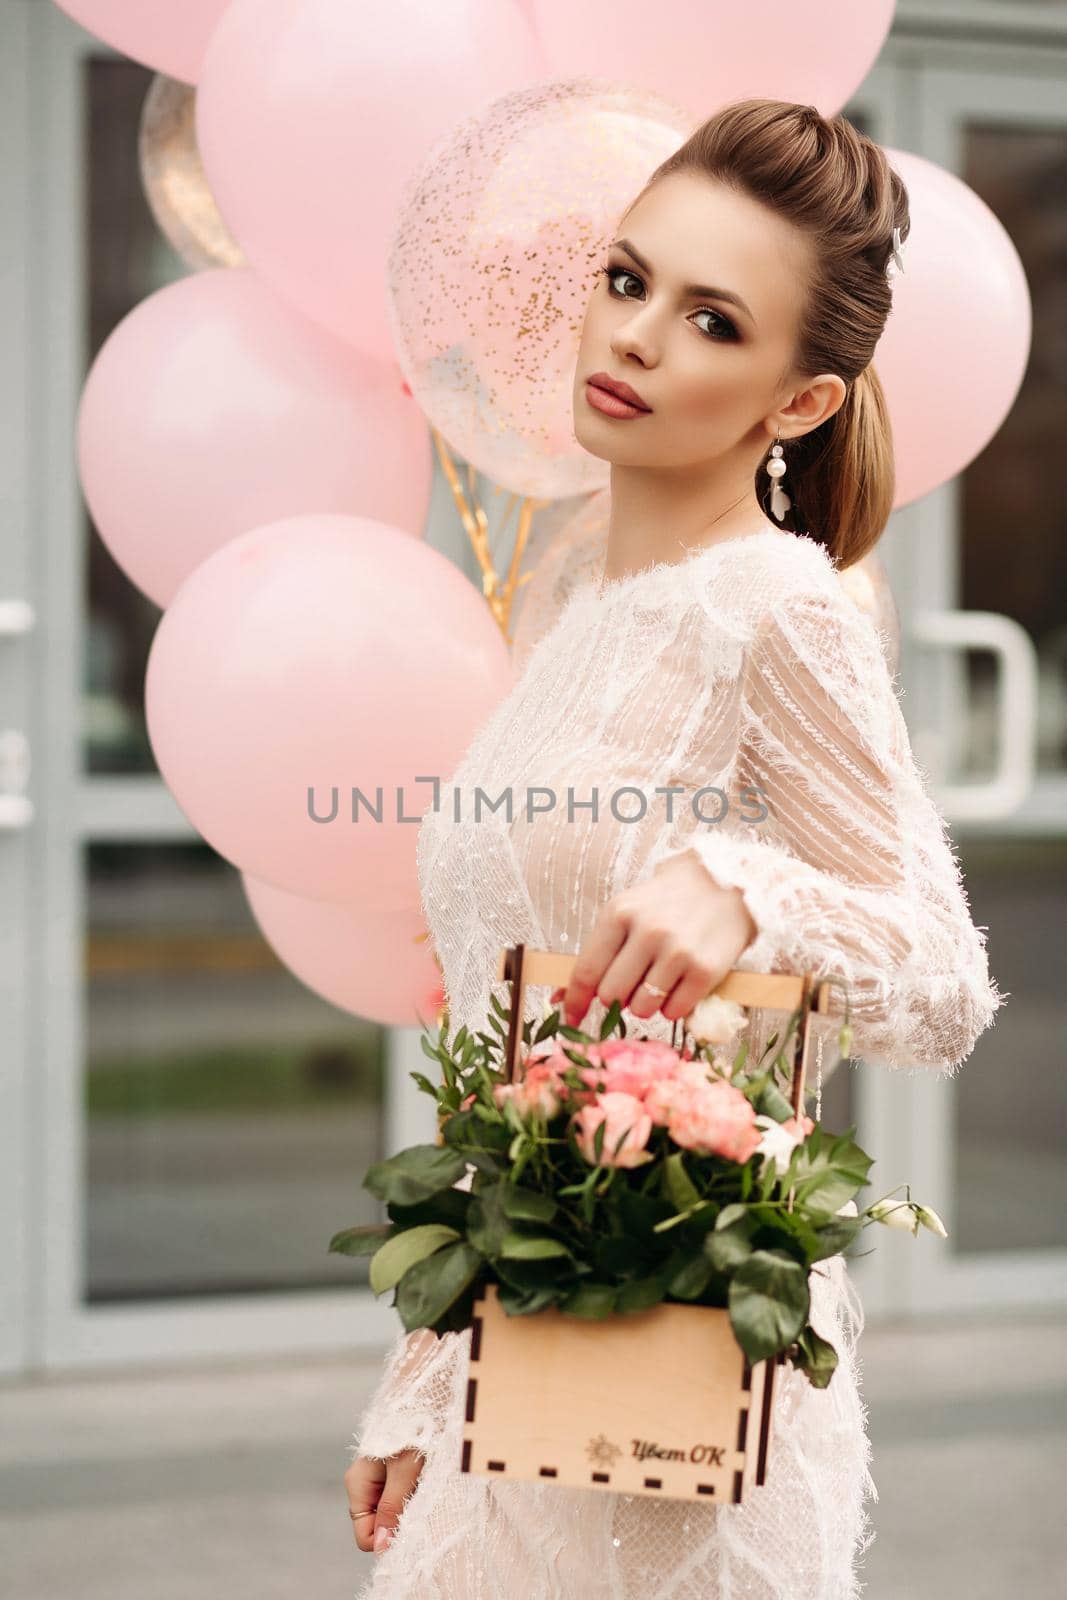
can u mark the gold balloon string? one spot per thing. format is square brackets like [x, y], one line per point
[499, 594]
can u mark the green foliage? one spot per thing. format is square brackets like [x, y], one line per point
[594, 1239]
[768, 1302]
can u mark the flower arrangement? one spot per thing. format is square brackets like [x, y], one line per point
[615, 1173]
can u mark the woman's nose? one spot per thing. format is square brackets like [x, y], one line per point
[631, 341]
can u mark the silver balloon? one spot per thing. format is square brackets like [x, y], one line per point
[174, 180]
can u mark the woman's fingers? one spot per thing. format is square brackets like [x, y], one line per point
[696, 984]
[377, 1492]
[596, 955]
[364, 1481]
[403, 1475]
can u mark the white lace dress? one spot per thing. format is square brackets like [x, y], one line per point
[743, 666]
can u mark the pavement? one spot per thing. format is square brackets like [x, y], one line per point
[197, 1482]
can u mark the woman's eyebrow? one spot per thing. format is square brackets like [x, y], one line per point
[696, 290]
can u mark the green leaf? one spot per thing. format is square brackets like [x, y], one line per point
[691, 1279]
[639, 1294]
[449, 1206]
[525, 1302]
[487, 1221]
[768, 1302]
[835, 1237]
[430, 1287]
[404, 1249]
[828, 1171]
[527, 1205]
[548, 1027]
[474, 1127]
[726, 1248]
[817, 1357]
[531, 1247]
[611, 1019]
[593, 1300]
[729, 1215]
[361, 1241]
[460, 1313]
[415, 1173]
[678, 1184]
[551, 1271]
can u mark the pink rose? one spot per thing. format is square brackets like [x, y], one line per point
[629, 1066]
[538, 1090]
[714, 1119]
[662, 1094]
[620, 1113]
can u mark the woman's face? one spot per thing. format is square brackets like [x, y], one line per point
[712, 369]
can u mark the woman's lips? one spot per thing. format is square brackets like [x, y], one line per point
[610, 404]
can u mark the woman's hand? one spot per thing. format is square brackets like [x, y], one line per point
[679, 930]
[377, 1491]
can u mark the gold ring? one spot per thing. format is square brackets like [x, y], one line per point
[355, 1514]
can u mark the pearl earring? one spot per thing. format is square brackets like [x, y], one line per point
[780, 501]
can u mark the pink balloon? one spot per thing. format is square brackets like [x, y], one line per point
[310, 115]
[213, 408]
[365, 962]
[324, 654]
[162, 34]
[954, 351]
[701, 54]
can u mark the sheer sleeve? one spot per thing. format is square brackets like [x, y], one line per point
[852, 870]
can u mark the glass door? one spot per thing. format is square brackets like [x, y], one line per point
[985, 558]
[193, 1122]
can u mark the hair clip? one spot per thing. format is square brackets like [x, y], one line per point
[895, 263]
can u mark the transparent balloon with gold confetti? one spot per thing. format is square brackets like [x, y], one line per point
[498, 239]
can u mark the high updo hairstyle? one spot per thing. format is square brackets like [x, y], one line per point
[837, 186]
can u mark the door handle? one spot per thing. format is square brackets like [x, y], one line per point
[1016, 709]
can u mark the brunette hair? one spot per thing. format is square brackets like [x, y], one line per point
[837, 186]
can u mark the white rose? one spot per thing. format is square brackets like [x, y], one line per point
[716, 1021]
[849, 1209]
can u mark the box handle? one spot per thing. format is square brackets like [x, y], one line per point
[779, 991]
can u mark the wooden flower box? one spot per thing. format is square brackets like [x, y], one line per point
[657, 1402]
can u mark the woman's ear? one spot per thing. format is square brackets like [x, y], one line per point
[812, 405]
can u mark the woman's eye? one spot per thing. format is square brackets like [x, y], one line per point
[618, 272]
[725, 326]
[722, 328]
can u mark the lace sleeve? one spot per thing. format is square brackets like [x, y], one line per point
[411, 1396]
[852, 871]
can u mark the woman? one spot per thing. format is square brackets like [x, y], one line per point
[717, 657]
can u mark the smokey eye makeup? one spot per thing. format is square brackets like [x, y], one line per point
[722, 330]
